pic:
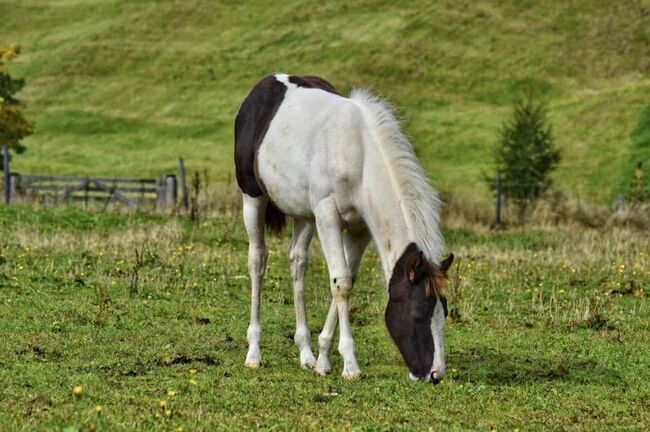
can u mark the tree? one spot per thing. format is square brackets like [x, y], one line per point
[525, 155]
[13, 125]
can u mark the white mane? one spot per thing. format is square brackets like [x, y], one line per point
[420, 202]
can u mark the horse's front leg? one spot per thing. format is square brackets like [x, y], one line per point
[298, 255]
[329, 225]
[325, 339]
[354, 244]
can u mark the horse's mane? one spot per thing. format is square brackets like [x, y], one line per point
[420, 202]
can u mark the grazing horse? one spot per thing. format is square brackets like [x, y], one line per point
[341, 166]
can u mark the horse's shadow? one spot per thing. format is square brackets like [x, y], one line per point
[495, 368]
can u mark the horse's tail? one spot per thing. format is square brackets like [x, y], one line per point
[274, 219]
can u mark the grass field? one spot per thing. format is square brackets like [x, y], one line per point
[119, 87]
[550, 331]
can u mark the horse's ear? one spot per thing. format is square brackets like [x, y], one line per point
[444, 265]
[414, 266]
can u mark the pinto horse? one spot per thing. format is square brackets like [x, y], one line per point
[342, 167]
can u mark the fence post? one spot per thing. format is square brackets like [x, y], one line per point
[5, 171]
[498, 204]
[167, 191]
[181, 168]
[14, 185]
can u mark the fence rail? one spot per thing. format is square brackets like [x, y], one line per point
[160, 192]
[131, 191]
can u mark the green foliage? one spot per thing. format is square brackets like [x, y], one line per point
[13, 125]
[526, 155]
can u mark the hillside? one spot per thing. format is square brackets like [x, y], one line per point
[120, 87]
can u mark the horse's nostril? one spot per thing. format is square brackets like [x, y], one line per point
[434, 378]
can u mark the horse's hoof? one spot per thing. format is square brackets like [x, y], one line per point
[321, 372]
[252, 365]
[351, 377]
[308, 365]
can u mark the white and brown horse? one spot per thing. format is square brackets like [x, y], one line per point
[341, 166]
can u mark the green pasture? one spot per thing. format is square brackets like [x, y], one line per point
[549, 330]
[122, 87]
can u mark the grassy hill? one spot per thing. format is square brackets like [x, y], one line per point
[120, 87]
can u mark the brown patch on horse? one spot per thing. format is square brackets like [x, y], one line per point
[252, 122]
[438, 277]
[439, 280]
[310, 81]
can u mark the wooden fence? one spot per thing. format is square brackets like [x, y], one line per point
[152, 192]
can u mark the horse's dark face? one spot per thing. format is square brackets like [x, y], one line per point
[414, 288]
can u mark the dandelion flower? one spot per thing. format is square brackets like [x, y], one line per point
[193, 371]
[98, 409]
[168, 413]
[171, 393]
[77, 390]
[193, 382]
[163, 404]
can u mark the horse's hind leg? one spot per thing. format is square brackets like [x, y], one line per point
[298, 254]
[254, 209]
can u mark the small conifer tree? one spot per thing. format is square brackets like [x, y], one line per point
[525, 155]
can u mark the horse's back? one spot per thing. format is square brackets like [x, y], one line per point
[312, 150]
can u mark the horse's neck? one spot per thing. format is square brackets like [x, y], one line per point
[384, 216]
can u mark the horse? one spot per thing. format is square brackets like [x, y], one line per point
[340, 166]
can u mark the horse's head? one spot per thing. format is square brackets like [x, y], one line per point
[414, 288]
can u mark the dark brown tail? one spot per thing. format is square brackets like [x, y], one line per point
[274, 219]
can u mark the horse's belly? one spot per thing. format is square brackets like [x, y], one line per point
[284, 172]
